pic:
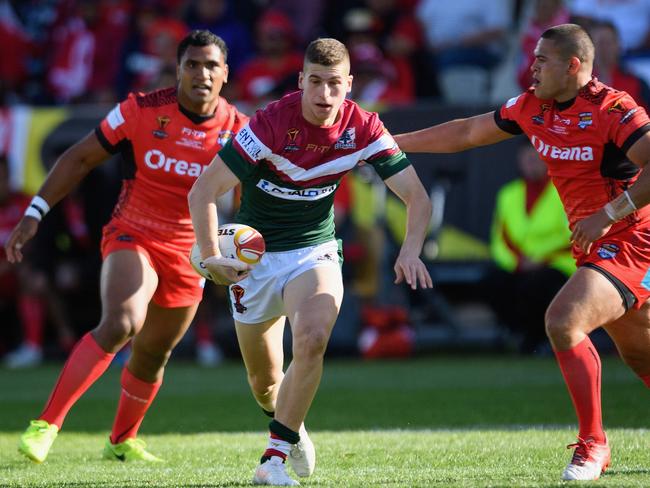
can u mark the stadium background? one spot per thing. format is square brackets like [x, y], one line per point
[458, 407]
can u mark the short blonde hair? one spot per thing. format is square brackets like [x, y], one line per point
[326, 52]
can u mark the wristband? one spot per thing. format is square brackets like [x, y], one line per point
[620, 207]
[38, 208]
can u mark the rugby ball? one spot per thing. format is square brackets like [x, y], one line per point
[236, 241]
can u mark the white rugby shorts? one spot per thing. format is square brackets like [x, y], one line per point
[258, 297]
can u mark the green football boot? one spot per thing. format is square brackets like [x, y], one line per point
[129, 450]
[36, 441]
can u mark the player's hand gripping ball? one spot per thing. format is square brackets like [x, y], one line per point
[236, 241]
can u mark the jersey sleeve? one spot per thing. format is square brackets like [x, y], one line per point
[252, 143]
[382, 152]
[508, 115]
[626, 121]
[118, 124]
[240, 121]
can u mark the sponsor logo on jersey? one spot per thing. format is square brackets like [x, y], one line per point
[237, 294]
[249, 143]
[163, 121]
[291, 140]
[193, 133]
[224, 136]
[576, 153]
[538, 119]
[157, 160]
[628, 116]
[317, 148]
[187, 142]
[295, 193]
[608, 250]
[346, 141]
[617, 107]
[585, 119]
[560, 125]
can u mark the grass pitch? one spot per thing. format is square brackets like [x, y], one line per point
[453, 421]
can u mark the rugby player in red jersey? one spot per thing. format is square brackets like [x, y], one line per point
[290, 160]
[149, 291]
[594, 140]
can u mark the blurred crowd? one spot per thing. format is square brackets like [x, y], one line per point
[63, 52]
[96, 51]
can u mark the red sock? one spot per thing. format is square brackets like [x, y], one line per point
[135, 400]
[646, 380]
[580, 367]
[32, 317]
[86, 363]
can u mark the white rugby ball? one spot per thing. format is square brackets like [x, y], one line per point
[236, 241]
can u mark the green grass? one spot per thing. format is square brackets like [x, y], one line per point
[462, 421]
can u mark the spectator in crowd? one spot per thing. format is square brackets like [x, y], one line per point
[109, 22]
[464, 33]
[390, 25]
[151, 49]
[374, 79]
[272, 72]
[13, 62]
[531, 250]
[219, 17]
[631, 18]
[363, 28]
[608, 67]
[545, 14]
[71, 53]
[305, 16]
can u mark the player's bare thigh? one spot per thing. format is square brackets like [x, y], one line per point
[631, 334]
[262, 351]
[587, 301]
[151, 347]
[127, 284]
[312, 301]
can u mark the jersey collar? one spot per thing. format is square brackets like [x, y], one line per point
[194, 117]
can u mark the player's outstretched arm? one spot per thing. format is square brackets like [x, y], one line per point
[453, 136]
[598, 224]
[216, 180]
[73, 165]
[408, 266]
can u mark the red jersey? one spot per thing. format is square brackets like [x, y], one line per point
[164, 149]
[583, 142]
[290, 168]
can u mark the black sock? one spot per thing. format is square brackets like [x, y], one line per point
[268, 414]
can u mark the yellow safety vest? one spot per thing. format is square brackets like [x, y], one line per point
[541, 235]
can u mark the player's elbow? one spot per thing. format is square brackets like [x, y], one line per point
[196, 196]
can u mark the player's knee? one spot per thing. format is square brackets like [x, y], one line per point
[263, 385]
[120, 327]
[558, 322]
[310, 343]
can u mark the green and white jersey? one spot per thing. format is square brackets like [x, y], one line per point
[290, 169]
